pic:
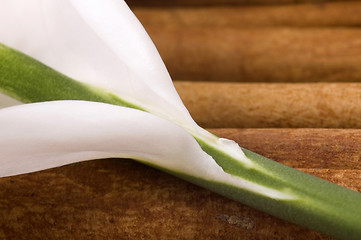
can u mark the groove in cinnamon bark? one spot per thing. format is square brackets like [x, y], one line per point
[232, 105]
[337, 14]
[121, 199]
[261, 55]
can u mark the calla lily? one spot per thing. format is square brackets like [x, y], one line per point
[121, 103]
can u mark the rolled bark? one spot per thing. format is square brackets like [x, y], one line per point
[303, 105]
[220, 2]
[121, 199]
[261, 55]
[338, 14]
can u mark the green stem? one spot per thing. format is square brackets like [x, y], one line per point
[314, 203]
[319, 205]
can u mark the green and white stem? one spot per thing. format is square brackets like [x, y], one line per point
[123, 105]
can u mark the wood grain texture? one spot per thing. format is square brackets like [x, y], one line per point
[337, 14]
[261, 55]
[230, 105]
[121, 199]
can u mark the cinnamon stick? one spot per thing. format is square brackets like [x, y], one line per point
[220, 2]
[121, 199]
[261, 55]
[233, 105]
[334, 14]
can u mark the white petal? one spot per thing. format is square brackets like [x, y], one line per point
[98, 42]
[44, 135]
[50, 134]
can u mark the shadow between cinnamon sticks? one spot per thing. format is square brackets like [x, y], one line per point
[121, 199]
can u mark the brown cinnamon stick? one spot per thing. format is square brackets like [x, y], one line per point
[334, 14]
[220, 2]
[121, 199]
[261, 55]
[316, 105]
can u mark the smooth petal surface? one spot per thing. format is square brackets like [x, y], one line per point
[99, 42]
[44, 135]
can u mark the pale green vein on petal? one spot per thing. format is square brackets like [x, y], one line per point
[7, 101]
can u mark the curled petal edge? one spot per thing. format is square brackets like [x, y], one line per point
[107, 45]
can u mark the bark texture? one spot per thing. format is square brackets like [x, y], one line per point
[334, 14]
[235, 105]
[220, 2]
[261, 55]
